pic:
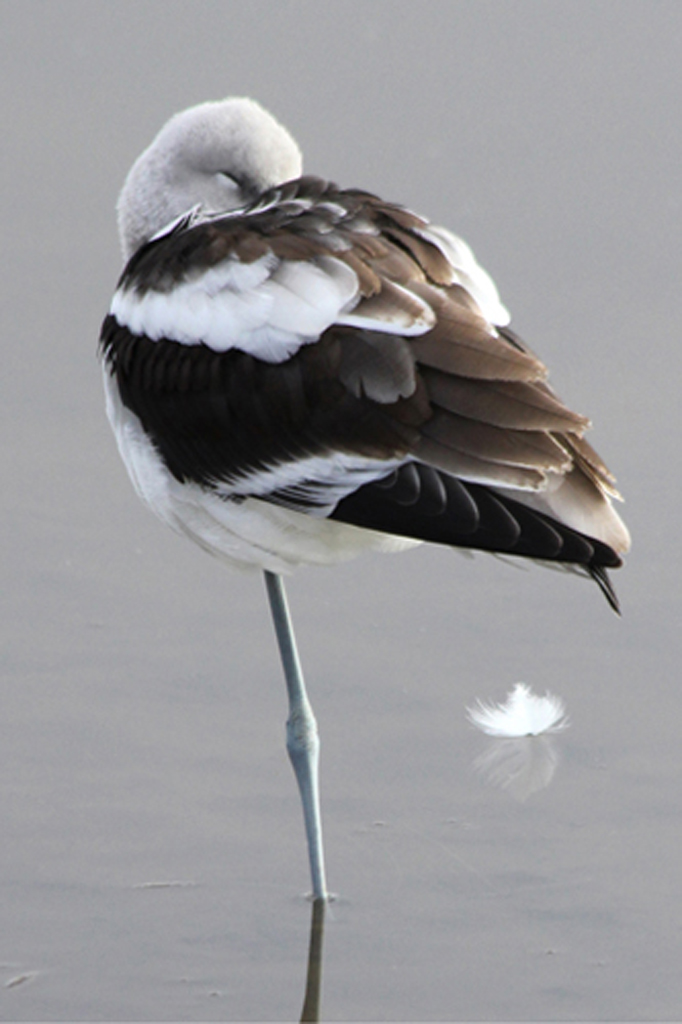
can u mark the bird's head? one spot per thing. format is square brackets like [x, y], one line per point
[219, 155]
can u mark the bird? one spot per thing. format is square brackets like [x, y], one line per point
[297, 373]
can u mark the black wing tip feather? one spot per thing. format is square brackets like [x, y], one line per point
[600, 576]
[421, 502]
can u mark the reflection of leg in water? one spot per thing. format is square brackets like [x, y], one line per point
[311, 1003]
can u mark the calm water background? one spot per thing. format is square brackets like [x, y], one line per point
[141, 723]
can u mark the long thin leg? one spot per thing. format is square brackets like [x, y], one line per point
[303, 742]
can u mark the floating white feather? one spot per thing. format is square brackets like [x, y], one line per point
[524, 713]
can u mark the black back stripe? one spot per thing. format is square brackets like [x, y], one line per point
[219, 416]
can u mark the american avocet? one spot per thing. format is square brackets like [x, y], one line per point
[296, 373]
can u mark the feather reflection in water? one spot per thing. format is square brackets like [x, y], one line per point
[521, 766]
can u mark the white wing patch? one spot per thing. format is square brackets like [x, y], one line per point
[268, 308]
[308, 297]
[318, 481]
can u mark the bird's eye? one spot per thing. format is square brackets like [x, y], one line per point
[246, 188]
[230, 178]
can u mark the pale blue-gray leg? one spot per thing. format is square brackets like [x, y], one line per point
[303, 742]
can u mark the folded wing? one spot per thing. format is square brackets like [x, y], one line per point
[327, 351]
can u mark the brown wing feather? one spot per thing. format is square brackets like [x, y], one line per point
[510, 405]
[462, 395]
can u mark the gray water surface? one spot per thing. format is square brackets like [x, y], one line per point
[152, 860]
